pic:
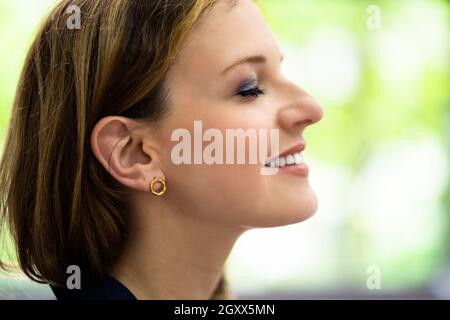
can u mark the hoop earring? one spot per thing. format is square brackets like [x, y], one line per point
[163, 184]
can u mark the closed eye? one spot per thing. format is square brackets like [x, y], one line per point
[256, 92]
[249, 88]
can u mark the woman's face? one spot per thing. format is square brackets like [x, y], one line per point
[206, 85]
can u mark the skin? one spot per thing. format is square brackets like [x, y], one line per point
[178, 243]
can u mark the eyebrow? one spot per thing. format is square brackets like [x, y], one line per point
[258, 59]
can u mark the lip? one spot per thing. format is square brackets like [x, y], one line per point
[297, 148]
[300, 170]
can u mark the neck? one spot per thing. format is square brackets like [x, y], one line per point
[174, 256]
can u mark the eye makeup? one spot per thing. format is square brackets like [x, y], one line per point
[249, 88]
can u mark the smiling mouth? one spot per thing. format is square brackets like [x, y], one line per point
[289, 160]
[291, 157]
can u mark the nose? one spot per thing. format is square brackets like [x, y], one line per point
[299, 109]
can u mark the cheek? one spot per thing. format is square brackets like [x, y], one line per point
[239, 195]
[214, 192]
[235, 194]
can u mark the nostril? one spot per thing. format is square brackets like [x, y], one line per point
[304, 123]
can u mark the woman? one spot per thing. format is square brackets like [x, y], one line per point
[88, 178]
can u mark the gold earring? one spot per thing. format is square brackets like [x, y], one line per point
[163, 184]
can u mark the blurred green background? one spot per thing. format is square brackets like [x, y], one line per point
[380, 157]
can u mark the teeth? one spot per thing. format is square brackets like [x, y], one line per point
[280, 162]
[298, 158]
[290, 159]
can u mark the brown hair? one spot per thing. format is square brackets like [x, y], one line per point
[59, 203]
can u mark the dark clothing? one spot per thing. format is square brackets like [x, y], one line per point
[109, 289]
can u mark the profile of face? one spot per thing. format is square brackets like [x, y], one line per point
[228, 76]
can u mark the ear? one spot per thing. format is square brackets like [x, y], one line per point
[128, 155]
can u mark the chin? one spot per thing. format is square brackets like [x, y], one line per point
[286, 211]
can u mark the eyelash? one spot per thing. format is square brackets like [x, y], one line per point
[253, 90]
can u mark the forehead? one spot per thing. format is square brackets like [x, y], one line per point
[231, 29]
